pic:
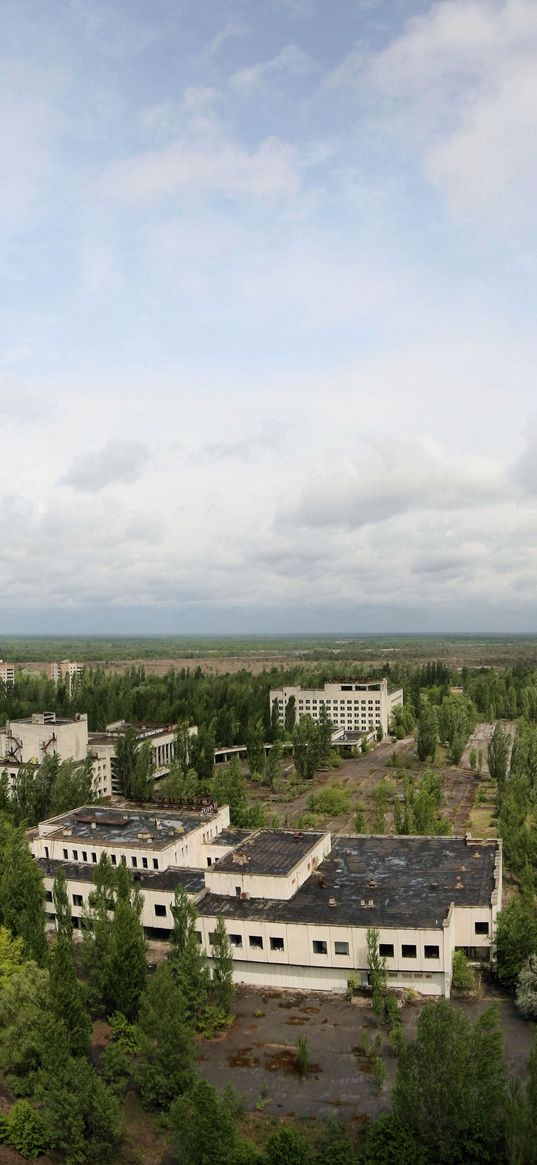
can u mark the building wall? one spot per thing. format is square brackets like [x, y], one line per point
[40, 737]
[349, 704]
[228, 882]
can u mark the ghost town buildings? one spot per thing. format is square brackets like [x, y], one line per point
[32, 738]
[297, 905]
[353, 705]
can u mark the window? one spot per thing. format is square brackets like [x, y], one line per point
[320, 947]
[481, 928]
[386, 950]
[84, 855]
[198, 936]
[77, 900]
[211, 937]
[123, 860]
[47, 855]
[134, 861]
[155, 863]
[341, 948]
[209, 861]
[48, 895]
[94, 857]
[75, 855]
[431, 952]
[144, 863]
[160, 910]
[408, 951]
[238, 891]
[65, 855]
[235, 940]
[276, 944]
[256, 941]
[113, 859]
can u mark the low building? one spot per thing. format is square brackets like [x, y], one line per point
[297, 906]
[360, 705]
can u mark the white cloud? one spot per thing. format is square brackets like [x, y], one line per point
[292, 61]
[117, 461]
[460, 83]
[204, 160]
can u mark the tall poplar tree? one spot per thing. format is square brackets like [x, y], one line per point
[65, 992]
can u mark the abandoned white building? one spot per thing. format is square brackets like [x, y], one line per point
[32, 738]
[297, 906]
[357, 705]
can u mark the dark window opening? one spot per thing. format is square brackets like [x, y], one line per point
[47, 855]
[160, 910]
[276, 944]
[144, 863]
[77, 900]
[155, 863]
[256, 941]
[48, 895]
[75, 855]
[94, 857]
[386, 950]
[235, 940]
[431, 952]
[481, 928]
[113, 859]
[341, 948]
[320, 947]
[65, 855]
[84, 855]
[408, 951]
[134, 861]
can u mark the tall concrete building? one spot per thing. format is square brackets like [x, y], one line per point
[356, 705]
[65, 672]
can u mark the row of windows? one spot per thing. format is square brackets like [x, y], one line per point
[113, 858]
[408, 951]
[276, 943]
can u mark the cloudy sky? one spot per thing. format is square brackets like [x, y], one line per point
[268, 343]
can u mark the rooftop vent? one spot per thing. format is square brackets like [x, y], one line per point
[332, 902]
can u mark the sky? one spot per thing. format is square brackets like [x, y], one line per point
[268, 343]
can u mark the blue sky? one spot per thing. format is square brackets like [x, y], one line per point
[267, 357]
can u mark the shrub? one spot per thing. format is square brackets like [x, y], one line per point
[526, 989]
[27, 1130]
[462, 976]
[302, 1055]
[330, 801]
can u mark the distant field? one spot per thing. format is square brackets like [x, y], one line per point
[257, 652]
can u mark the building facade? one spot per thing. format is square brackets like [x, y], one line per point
[357, 705]
[65, 672]
[7, 673]
[297, 906]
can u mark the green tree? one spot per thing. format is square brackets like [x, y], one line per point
[306, 747]
[124, 762]
[181, 755]
[462, 976]
[222, 980]
[187, 959]
[516, 937]
[81, 1111]
[11, 954]
[376, 970]
[526, 988]
[255, 746]
[325, 736]
[65, 993]
[203, 1127]
[142, 777]
[287, 1146]
[164, 1067]
[390, 1142]
[498, 755]
[334, 1146]
[274, 764]
[21, 896]
[427, 734]
[24, 1000]
[450, 1086]
[114, 946]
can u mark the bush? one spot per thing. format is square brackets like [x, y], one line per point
[462, 976]
[115, 1066]
[330, 801]
[27, 1130]
[302, 1055]
[526, 990]
[4, 1129]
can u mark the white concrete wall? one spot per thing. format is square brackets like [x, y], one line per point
[71, 739]
[264, 885]
[349, 704]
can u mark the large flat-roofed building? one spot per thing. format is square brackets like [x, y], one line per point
[297, 905]
[360, 705]
[7, 673]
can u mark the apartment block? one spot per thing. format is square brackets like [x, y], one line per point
[7, 673]
[354, 705]
[65, 672]
[297, 905]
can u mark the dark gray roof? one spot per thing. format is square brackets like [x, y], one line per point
[231, 837]
[191, 880]
[269, 851]
[105, 823]
[410, 880]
